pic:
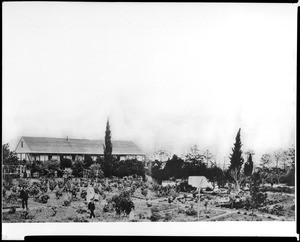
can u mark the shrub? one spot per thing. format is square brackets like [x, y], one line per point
[144, 192]
[12, 210]
[154, 209]
[185, 187]
[33, 190]
[60, 183]
[106, 208]
[277, 210]
[65, 163]
[82, 209]
[52, 184]
[43, 199]
[168, 217]
[24, 183]
[191, 212]
[123, 203]
[58, 194]
[155, 217]
[26, 215]
[80, 218]
[129, 167]
[83, 194]
[96, 171]
[257, 197]
[67, 202]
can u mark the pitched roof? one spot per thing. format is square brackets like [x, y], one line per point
[78, 146]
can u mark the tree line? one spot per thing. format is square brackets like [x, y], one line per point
[238, 172]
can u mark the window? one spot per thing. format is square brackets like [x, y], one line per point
[21, 144]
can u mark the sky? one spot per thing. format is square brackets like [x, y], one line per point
[167, 75]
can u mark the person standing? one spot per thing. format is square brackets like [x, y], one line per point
[90, 193]
[91, 207]
[24, 197]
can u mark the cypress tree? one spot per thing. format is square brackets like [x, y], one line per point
[236, 159]
[107, 149]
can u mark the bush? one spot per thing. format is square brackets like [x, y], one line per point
[82, 209]
[277, 210]
[43, 199]
[83, 194]
[106, 208]
[144, 192]
[129, 167]
[60, 183]
[96, 171]
[8, 182]
[257, 197]
[123, 203]
[80, 218]
[24, 183]
[58, 194]
[12, 210]
[185, 187]
[33, 190]
[52, 184]
[67, 202]
[191, 212]
[65, 163]
[155, 217]
[168, 217]
[26, 215]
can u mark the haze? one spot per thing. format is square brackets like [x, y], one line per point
[167, 75]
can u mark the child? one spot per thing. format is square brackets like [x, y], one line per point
[91, 207]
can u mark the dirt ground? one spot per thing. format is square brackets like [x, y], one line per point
[55, 211]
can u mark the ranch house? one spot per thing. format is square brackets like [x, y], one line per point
[43, 149]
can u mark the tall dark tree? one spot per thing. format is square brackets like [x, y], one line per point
[77, 168]
[248, 167]
[157, 171]
[9, 157]
[65, 163]
[216, 176]
[129, 167]
[174, 167]
[107, 149]
[236, 160]
[88, 161]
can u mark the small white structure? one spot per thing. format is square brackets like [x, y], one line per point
[197, 181]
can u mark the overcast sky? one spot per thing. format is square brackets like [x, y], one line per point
[167, 75]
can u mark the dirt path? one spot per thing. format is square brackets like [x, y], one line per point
[227, 212]
[20, 209]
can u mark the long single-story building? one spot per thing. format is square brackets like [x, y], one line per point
[43, 149]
